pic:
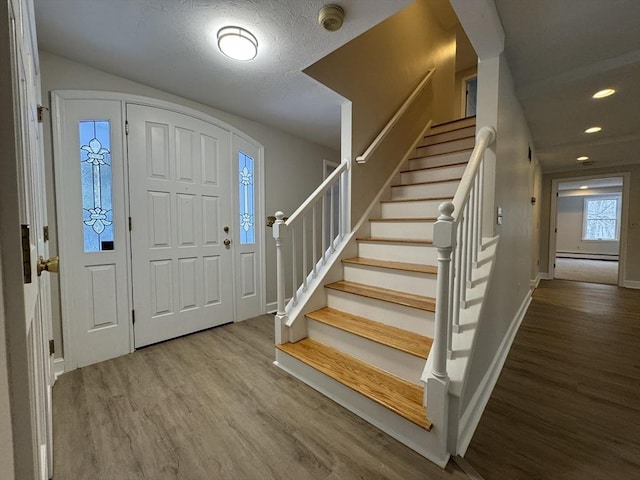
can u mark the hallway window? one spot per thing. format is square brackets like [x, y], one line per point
[95, 174]
[246, 200]
[601, 218]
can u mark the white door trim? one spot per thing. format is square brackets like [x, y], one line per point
[553, 218]
[58, 97]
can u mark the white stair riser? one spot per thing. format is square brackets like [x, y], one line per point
[448, 136]
[443, 189]
[406, 229]
[422, 161]
[447, 147]
[406, 252]
[386, 358]
[465, 122]
[407, 318]
[408, 282]
[417, 209]
[433, 175]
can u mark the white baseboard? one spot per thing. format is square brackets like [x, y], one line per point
[631, 284]
[272, 307]
[536, 281]
[58, 368]
[473, 413]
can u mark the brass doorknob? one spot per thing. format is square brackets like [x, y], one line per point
[227, 242]
[51, 265]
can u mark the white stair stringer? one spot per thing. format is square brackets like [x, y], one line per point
[427, 444]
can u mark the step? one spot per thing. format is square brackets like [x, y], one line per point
[452, 125]
[447, 147]
[411, 251]
[420, 208]
[434, 138]
[410, 228]
[441, 188]
[424, 161]
[406, 267]
[392, 392]
[376, 274]
[433, 174]
[392, 296]
[403, 340]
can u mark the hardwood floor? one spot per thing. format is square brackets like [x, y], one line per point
[212, 406]
[567, 404]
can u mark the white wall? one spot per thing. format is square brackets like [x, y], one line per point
[514, 186]
[570, 226]
[293, 167]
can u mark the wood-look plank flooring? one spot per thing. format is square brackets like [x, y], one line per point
[393, 392]
[567, 404]
[212, 406]
[386, 295]
[403, 340]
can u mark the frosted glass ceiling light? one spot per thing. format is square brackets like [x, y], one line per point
[593, 130]
[237, 43]
[583, 158]
[604, 93]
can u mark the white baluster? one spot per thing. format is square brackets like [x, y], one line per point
[314, 239]
[294, 275]
[464, 258]
[324, 229]
[469, 239]
[476, 221]
[332, 237]
[305, 272]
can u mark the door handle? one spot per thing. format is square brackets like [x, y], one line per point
[51, 265]
[227, 242]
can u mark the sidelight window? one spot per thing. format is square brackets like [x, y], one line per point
[246, 200]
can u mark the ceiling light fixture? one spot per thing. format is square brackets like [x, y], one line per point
[593, 130]
[583, 187]
[583, 158]
[237, 43]
[604, 93]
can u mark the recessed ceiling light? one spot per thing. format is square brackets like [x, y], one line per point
[593, 130]
[604, 93]
[583, 187]
[237, 43]
[583, 158]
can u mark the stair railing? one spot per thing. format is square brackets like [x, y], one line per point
[315, 230]
[457, 236]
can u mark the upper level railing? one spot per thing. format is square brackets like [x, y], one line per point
[314, 230]
[394, 120]
[457, 236]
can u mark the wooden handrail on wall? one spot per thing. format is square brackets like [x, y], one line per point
[389, 126]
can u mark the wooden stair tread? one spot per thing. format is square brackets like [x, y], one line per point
[405, 219]
[407, 267]
[396, 394]
[394, 240]
[445, 180]
[445, 127]
[440, 154]
[403, 340]
[421, 199]
[465, 137]
[452, 164]
[386, 295]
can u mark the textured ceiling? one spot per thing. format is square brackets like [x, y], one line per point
[170, 45]
[561, 52]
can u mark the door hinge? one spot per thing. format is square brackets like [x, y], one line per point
[130, 224]
[554, 265]
[126, 127]
[41, 110]
[555, 230]
[52, 347]
[45, 233]
[26, 253]
[133, 316]
[556, 194]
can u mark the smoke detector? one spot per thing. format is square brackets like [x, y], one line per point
[331, 17]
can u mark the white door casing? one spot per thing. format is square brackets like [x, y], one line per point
[180, 189]
[94, 284]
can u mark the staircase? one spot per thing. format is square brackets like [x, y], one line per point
[367, 347]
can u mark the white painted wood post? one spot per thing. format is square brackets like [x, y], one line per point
[443, 239]
[281, 316]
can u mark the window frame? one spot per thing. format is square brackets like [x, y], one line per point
[618, 198]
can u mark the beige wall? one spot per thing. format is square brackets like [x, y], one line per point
[377, 71]
[293, 167]
[631, 269]
[514, 186]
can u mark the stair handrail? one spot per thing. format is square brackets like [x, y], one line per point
[396, 117]
[457, 236]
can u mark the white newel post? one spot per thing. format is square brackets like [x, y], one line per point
[281, 316]
[438, 384]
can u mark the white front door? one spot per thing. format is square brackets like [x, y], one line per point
[31, 203]
[92, 229]
[181, 217]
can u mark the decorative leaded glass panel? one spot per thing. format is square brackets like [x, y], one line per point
[95, 168]
[247, 203]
